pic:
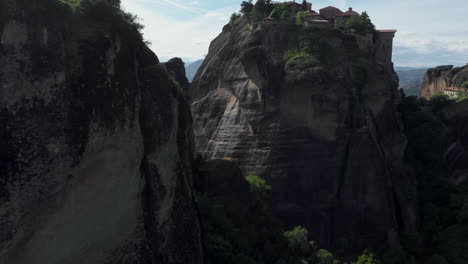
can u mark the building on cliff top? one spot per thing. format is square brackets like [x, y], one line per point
[330, 13]
[381, 41]
[452, 92]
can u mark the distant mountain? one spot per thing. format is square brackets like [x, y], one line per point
[411, 79]
[192, 68]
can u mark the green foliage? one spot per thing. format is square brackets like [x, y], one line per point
[278, 10]
[256, 11]
[464, 85]
[360, 24]
[304, 53]
[462, 94]
[235, 18]
[73, 4]
[443, 206]
[368, 258]
[263, 8]
[325, 257]
[298, 239]
[300, 17]
[285, 15]
[257, 184]
[246, 8]
[439, 100]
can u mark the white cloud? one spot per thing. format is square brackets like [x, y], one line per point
[171, 37]
[428, 30]
[427, 43]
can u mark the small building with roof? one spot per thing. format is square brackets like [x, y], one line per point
[312, 15]
[295, 7]
[330, 13]
[452, 92]
[384, 45]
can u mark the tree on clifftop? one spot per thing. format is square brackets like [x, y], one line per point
[246, 7]
[360, 24]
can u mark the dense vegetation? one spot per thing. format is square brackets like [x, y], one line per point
[443, 204]
[300, 17]
[360, 24]
[240, 228]
[464, 84]
[356, 24]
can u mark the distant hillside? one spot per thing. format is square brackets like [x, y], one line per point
[411, 79]
[191, 69]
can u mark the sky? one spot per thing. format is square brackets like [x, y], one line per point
[430, 32]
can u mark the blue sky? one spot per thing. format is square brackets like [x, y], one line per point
[430, 32]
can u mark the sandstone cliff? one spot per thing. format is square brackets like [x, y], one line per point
[326, 134]
[97, 147]
[439, 78]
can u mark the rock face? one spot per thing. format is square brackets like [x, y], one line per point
[326, 135]
[455, 118]
[96, 150]
[176, 68]
[439, 78]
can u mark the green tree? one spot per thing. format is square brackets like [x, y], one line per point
[257, 184]
[368, 258]
[246, 7]
[300, 17]
[235, 18]
[360, 24]
[366, 22]
[325, 257]
[278, 9]
[464, 85]
[285, 14]
[298, 240]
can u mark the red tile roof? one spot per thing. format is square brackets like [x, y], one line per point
[350, 12]
[291, 3]
[387, 30]
[452, 89]
[268, 18]
[313, 13]
[329, 7]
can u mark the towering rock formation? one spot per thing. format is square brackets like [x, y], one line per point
[96, 143]
[439, 78]
[176, 68]
[327, 135]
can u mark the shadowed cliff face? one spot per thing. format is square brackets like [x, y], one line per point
[327, 135]
[455, 119]
[439, 78]
[96, 150]
[438, 153]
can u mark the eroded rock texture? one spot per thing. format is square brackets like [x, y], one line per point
[439, 78]
[455, 119]
[176, 68]
[327, 135]
[96, 143]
